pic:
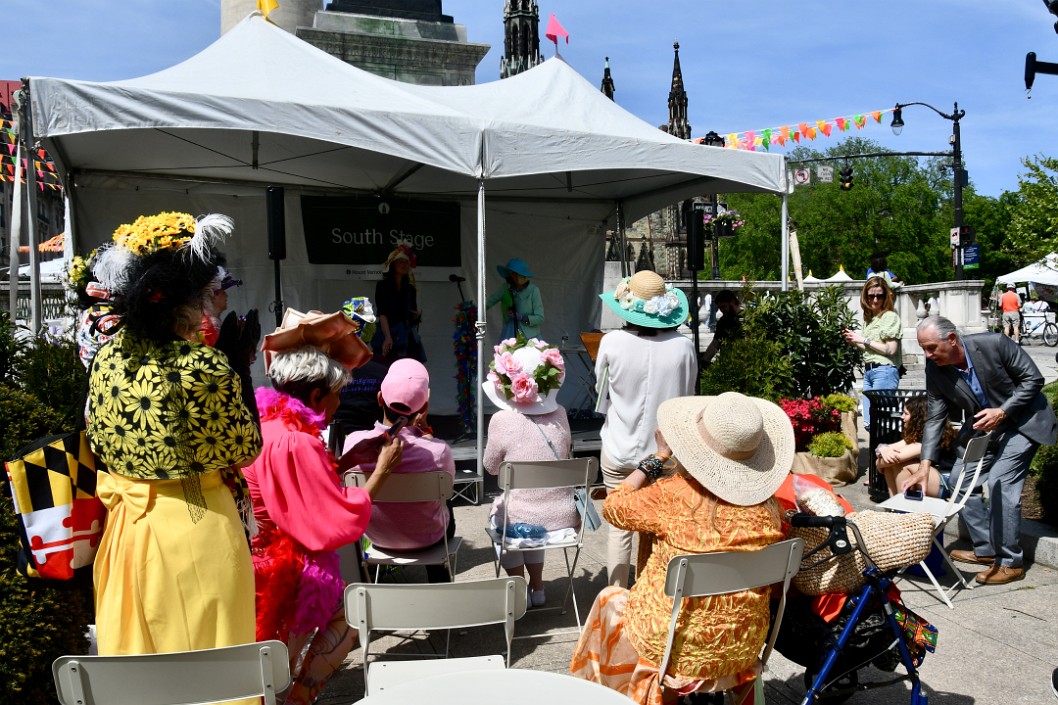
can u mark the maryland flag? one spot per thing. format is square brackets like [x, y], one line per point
[53, 485]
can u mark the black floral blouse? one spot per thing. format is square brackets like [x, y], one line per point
[167, 410]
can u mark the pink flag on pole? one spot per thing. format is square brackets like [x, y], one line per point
[555, 30]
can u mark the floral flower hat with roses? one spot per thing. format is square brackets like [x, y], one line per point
[525, 376]
[644, 299]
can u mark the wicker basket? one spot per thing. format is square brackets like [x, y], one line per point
[892, 540]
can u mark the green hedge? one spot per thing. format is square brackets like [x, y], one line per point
[1045, 469]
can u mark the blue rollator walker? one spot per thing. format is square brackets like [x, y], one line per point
[827, 688]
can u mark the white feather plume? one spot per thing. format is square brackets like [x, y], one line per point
[110, 267]
[210, 231]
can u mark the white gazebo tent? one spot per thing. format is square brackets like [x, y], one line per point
[544, 158]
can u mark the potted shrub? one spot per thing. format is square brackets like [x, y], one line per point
[846, 406]
[822, 449]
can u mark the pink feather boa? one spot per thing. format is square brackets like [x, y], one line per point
[273, 404]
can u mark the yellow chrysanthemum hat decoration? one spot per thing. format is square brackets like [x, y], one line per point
[148, 234]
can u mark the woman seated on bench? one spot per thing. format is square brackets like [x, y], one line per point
[897, 461]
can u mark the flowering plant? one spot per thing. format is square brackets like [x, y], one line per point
[78, 273]
[730, 217]
[661, 305]
[810, 417]
[150, 233]
[526, 371]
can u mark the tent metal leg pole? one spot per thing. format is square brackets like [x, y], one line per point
[16, 233]
[785, 276]
[621, 233]
[35, 318]
[479, 328]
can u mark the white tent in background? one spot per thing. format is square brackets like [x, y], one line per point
[840, 276]
[811, 279]
[1043, 272]
[543, 160]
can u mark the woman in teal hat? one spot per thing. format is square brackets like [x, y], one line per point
[523, 308]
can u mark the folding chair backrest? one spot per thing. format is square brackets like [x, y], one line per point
[209, 676]
[703, 574]
[371, 606]
[974, 456]
[406, 487]
[575, 472]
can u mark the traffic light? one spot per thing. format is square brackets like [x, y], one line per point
[846, 179]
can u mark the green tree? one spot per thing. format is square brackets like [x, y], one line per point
[1034, 219]
[899, 206]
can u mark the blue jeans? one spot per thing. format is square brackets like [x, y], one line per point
[881, 377]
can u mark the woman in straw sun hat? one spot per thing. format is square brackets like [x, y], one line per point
[638, 367]
[708, 488]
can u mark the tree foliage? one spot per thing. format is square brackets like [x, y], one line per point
[1033, 228]
[899, 206]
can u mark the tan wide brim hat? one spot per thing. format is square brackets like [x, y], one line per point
[334, 333]
[738, 447]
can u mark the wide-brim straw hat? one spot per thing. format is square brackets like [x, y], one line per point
[545, 405]
[737, 447]
[335, 334]
[637, 293]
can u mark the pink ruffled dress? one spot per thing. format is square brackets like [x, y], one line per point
[303, 516]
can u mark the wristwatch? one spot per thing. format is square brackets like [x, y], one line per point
[867, 343]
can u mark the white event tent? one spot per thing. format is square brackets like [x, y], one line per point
[543, 162]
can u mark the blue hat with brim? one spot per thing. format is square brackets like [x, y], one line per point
[645, 300]
[514, 265]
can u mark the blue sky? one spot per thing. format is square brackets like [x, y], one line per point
[747, 65]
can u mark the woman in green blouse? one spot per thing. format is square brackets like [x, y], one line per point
[879, 339]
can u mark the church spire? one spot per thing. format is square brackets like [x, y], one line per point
[607, 86]
[521, 37]
[678, 124]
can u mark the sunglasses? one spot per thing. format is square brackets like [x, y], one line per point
[875, 296]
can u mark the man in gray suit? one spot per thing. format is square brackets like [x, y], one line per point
[997, 387]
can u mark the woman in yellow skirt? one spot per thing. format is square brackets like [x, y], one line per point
[168, 418]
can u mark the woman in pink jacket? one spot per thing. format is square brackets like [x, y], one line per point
[303, 514]
[523, 381]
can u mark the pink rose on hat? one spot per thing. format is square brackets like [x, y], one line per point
[553, 357]
[524, 388]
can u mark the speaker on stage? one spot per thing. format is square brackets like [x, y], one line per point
[694, 220]
[277, 233]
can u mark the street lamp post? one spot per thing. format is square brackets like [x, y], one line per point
[714, 140]
[959, 176]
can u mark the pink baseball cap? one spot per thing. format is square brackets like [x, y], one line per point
[406, 388]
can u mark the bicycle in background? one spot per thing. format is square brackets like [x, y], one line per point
[1035, 327]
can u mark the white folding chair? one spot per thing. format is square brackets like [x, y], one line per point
[413, 487]
[705, 574]
[943, 511]
[573, 473]
[371, 606]
[256, 670]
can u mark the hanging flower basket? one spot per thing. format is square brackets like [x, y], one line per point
[726, 223]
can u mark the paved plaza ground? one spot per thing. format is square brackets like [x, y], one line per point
[998, 645]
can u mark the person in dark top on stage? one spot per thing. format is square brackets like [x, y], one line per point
[398, 310]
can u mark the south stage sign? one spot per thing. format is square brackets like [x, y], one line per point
[361, 232]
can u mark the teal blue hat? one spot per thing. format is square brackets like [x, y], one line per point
[644, 299]
[514, 265]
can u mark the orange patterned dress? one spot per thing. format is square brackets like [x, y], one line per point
[718, 639]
